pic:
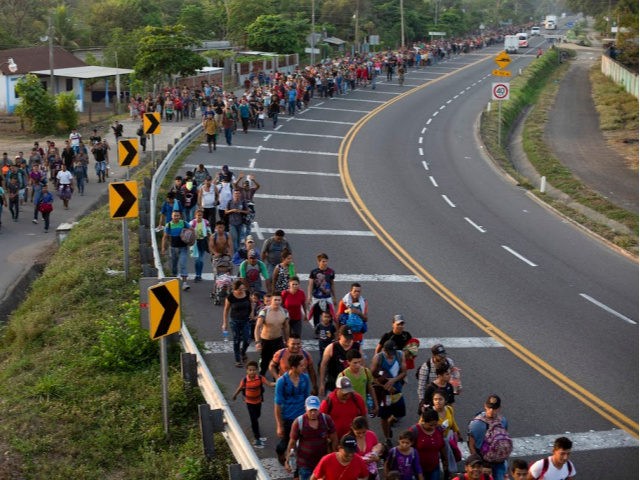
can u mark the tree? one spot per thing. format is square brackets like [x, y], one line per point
[274, 33]
[203, 21]
[37, 106]
[164, 52]
[67, 113]
[241, 14]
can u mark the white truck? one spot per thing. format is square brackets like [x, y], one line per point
[551, 22]
[511, 43]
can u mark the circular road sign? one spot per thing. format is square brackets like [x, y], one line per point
[500, 91]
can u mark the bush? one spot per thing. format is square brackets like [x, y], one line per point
[122, 344]
[67, 113]
[37, 106]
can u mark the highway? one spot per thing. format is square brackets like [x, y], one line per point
[392, 184]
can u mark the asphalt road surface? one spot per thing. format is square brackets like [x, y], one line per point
[525, 303]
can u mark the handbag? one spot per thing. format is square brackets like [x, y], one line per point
[45, 207]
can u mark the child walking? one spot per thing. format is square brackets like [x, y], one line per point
[252, 388]
[404, 459]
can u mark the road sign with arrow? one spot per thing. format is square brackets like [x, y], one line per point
[503, 59]
[151, 123]
[128, 152]
[164, 309]
[123, 199]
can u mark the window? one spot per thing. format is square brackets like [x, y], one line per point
[69, 84]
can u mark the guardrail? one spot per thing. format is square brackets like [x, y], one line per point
[238, 443]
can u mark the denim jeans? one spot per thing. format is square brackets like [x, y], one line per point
[199, 263]
[179, 256]
[241, 333]
[304, 473]
[237, 234]
[228, 135]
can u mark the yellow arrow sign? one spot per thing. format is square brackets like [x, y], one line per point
[501, 73]
[164, 309]
[123, 199]
[151, 123]
[503, 59]
[128, 152]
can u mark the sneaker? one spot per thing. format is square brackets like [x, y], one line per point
[239, 364]
[258, 443]
[34, 221]
[263, 439]
[185, 286]
[197, 279]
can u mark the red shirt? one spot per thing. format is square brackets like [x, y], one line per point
[330, 468]
[343, 413]
[293, 304]
[428, 447]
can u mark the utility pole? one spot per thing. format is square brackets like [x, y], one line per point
[402, 24]
[51, 86]
[357, 39]
[313, 32]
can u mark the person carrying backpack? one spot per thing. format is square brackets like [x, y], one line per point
[557, 466]
[179, 250]
[488, 436]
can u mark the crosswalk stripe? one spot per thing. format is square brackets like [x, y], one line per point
[350, 278]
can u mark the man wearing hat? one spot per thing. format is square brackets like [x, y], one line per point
[398, 334]
[343, 464]
[334, 359]
[472, 468]
[313, 432]
[343, 405]
[389, 370]
[478, 428]
[427, 371]
[253, 271]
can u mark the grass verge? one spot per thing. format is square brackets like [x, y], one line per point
[537, 88]
[80, 380]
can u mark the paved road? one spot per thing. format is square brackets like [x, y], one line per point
[24, 243]
[573, 133]
[298, 162]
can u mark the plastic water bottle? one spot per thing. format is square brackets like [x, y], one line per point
[292, 460]
[225, 335]
[370, 405]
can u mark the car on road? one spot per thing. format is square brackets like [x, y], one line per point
[511, 43]
[535, 31]
[523, 40]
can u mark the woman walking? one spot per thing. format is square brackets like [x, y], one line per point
[237, 306]
[45, 206]
[65, 185]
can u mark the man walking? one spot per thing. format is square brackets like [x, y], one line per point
[557, 466]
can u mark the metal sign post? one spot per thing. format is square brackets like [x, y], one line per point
[500, 92]
[151, 126]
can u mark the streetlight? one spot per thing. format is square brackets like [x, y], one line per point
[13, 67]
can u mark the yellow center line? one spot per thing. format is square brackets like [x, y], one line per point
[565, 383]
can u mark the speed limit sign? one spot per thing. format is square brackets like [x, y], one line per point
[500, 91]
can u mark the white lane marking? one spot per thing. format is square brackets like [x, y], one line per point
[289, 119]
[433, 181]
[300, 112]
[428, 121]
[284, 150]
[456, 96]
[420, 151]
[449, 101]
[277, 128]
[473, 84]
[299, 197]
[255, 229]
[607, 309]
[446, 199]
[339, 109]
[272, 170]
[266, 139]
[258, 149]
[369, 343]
[516, 254]
[461, 93]
[309, 134]
[442, 107]
[420, 140]
[382, 92]
[359, 100]
[424, 129]
[425, 165]
[468, 88]
[322, 121]
[475, 225]
[531, 447]
[252, 163]
[306, 231]
[435, 114]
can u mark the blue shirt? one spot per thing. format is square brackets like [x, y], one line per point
[291, 398]
[478, 428]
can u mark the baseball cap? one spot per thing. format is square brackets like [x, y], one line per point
[389, 346]
[493, 401]
[252, 254]
[398, 319]
[346, 331]
[344, 384]
[473, 459]
[349, 443]
[438, 349]
[249, 238]
[312, 403]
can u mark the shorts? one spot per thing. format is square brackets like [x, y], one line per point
[211, 138]
[397, 409]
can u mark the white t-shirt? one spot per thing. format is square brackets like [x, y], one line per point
[552, 472]
[64, 177]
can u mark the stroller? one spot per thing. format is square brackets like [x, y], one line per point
[222, 278]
